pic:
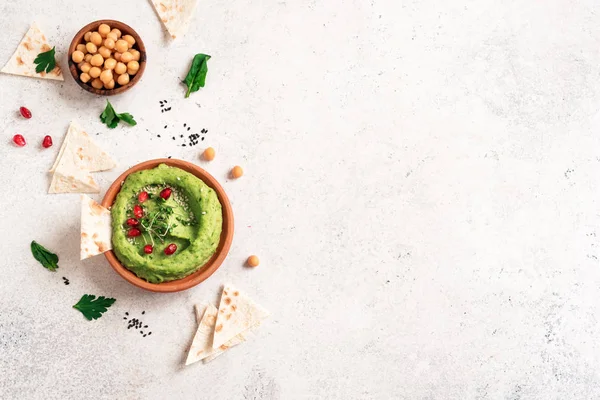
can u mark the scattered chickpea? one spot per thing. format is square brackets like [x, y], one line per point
[208, 154]
[77, 56]
[110, 63]
[96, 38]
[123, 79]
[237, 172]
[97, 60]
[126, 57]
[91, 48]
[106, 76]
[85, 77]
[85, 67]
[97, 84]
[122, 46]
[120, 68]
[253, 261]
[81, 48]
[103, 30]
[95, 72]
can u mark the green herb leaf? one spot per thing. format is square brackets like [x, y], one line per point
[109, 116]
[127, 118]
[48, 259]
[45, 61]
[196, 77]
[93, 308]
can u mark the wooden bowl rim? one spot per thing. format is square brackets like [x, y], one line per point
[123, 27]
[209, 267]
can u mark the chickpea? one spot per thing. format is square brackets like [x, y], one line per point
[109, 43]
[209, 154]
[103, 30]
[77, 56]
[126, 57]
[136, 54]
[123, 79]
[121, 46]
[253, 261]
[133, 65]
[87, 35]
[85, 77]
[88, 58]
[110, 63]
[131, 72]
[91, 48]
[97, 84]
[112, 36]
[104, 52]
[96, 38]
[85, 66]
[110, 85]
[106, 76]
[95, 72]
[120, 68]
[97, 60]
[237, 172]
[116, 32]
[117, 56]
[81, 48]
[130, 40]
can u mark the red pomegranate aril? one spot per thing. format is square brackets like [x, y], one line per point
[166, 193]
[132, 222]
[133, 232]
[19, 140]
[148, 249]
[142, 197]
[138, 211]
[170, 249]
[47, 142]
[25, 112]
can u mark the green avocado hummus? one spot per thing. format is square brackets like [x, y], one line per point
[159, 208]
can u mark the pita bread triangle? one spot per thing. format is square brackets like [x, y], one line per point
[72, 180]
[175, 14]
[21, 63]
[78, 150]
[237, 314]
[201, 348]
[96, 228]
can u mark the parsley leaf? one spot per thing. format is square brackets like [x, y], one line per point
[48, 259]
[196, 77]
[111, 118]
[93, 308]
[45, 61]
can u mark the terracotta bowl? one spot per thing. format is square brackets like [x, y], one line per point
[207, 269]
[125, 30]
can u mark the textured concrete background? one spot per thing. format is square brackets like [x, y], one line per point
[421, 186]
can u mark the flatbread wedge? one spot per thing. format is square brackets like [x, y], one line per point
[96, 229]
[237, 314]
[175, 14]
[21, 62]
[78, 150]
[201, 348]
[75, 180]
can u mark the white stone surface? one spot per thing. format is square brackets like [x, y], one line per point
[421, 186]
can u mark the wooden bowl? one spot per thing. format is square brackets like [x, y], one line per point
[125, 30]
[207, 269]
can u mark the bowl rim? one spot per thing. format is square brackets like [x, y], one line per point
[205, 271]
[122, 26]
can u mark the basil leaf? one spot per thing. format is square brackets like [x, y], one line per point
[196, 77]
[45, 61]
[109, 116]
[48, 259]
[127, 118]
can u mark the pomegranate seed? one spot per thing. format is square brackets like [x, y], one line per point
[148, 249]
[166, 193]
[19, 140]
[132, 222]
[142, 197]
[138, 212]
[25, 112]
[47, 142]
[133, 232]
[170, 249]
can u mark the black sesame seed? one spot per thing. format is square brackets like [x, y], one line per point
[169, 157]
[165, 126]
[180, 136]
[183, 145]
[173, 137]
[203, 138]
[129, 327]
[143, 312]
[189, 128]
[142, 332]
[165, 101]
[124, 317]
[149, 333]
[160, 102]
[184, 125]
[158, 135]
[145, 326]
[144, 335]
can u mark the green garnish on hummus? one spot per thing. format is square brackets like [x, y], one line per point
[166, 223]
